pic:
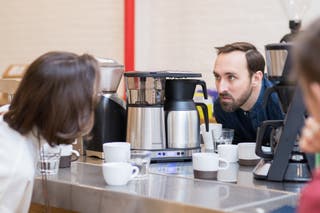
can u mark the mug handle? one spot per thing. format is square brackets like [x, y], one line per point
[135, 171]
[76, 154]
[224, 167]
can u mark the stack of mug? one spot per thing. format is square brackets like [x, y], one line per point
[220, 158]
[122, 165]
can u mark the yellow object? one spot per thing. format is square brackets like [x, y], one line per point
[198, 97]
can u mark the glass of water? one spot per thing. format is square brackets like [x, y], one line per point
[141, 159]
[226, 137]
[48, 160]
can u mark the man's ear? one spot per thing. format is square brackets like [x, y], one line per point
[256, 78]
[315, 91]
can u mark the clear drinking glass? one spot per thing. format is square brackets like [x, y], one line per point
[48, 160]
[141, 159]
[226, 137]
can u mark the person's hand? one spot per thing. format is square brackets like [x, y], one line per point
[310, 137]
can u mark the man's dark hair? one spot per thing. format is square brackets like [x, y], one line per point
[254, 58]
[56, 97]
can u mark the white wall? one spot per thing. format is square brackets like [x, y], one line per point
[31, 28]
[170, 34]
[182, 34]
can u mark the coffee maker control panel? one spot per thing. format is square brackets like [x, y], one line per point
[164, 155]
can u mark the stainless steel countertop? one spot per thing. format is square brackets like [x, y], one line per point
[169, 187]
[244, 176]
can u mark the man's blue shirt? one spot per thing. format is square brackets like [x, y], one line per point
[245, 123]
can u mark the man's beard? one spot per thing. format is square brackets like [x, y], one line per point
[234, 104]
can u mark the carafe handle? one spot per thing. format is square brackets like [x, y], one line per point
[204, 108]
[204, 88]
[261, 132]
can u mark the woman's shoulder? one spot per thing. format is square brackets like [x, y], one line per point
[15, 144]
[7, 134]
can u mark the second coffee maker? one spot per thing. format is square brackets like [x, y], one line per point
[162, 116]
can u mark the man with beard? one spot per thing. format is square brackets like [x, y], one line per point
[240, 82]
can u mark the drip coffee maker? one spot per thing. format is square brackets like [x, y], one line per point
[110, 112]
[148, 115]
[283, 161]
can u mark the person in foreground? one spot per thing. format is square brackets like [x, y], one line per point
[53, 104]
[307, 66]
[240, 82]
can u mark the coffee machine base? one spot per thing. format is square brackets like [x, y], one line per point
[172, 155]
[295, 171]
[261, 170]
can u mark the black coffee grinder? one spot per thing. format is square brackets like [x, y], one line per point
[283, 160]
[294, 10]
[110, 117]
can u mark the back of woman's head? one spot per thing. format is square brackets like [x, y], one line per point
[56, 97]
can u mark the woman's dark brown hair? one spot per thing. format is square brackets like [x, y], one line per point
[56, 97]
[254, 58]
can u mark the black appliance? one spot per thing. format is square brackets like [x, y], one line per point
[282, 160]
[110, 112]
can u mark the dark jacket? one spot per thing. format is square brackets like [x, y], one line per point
[245, 123]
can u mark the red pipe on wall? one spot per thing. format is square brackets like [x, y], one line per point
[129, 19]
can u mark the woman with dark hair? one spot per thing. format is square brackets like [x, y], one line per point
[307, 65]
[54, 104]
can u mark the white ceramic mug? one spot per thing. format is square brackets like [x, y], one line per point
[119, 173]
[230, 174]
[68, 154]
[247, 154]
[229, 152]
[206, 165]
[116, 152]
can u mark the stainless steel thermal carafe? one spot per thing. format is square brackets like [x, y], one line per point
[182, 118]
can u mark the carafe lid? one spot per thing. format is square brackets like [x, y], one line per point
[163, 74]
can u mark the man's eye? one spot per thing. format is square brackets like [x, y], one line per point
[231, 77]
[217, 77]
